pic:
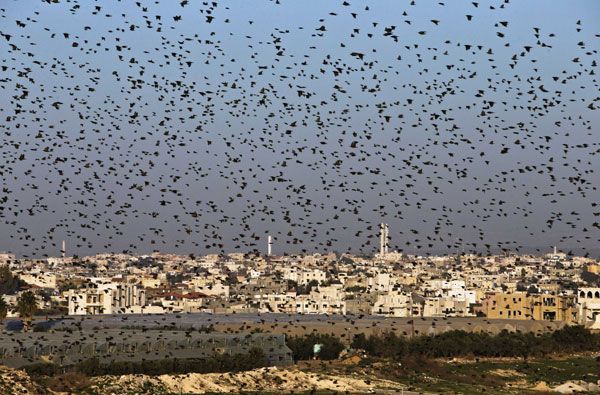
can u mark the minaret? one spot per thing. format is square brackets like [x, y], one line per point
[381, 239]
[269, 245]
[387, 239]
[554, 250]
[64, 250]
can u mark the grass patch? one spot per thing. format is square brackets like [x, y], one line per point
[476, 377]
[552, 371]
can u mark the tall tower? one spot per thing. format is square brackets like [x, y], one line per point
[64, 249]
[269, 245]
[381, 239]
[387, 239]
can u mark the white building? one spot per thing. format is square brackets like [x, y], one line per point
[323, 300]
[446, 306]
[39, 279]
[380, 282]
[588, 301]
[107, 299]
[291, 273]
[255, 273]
[395, 303]
[306, 277]
[6, 258]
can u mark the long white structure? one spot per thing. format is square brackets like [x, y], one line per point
[269, 246]
[381, 236]
[387, 239]
[383, 239]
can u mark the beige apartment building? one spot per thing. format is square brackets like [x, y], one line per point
[521, 306]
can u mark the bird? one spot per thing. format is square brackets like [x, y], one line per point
[204, 131]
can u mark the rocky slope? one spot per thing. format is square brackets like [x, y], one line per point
[17, 382]
[265, 379]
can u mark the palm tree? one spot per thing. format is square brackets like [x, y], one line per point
[3, 310]
[27, 306]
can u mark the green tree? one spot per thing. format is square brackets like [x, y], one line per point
[66, 285]
[90, 367]
[346, 261]
[292, 285]
[9, 284]
[27, 307]
[3, 310]
[231, 279]
[302, 346]
[305, 290]
[589, 277]
[568, 340]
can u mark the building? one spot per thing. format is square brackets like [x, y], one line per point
[593, 268]
[107, 299]
[396, 303]
[6, 258]
[39, 279]
[446, 306]
[588, 300]
[307, 276]
[175, 302]
[521, 306]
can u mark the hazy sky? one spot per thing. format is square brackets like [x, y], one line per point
[203, 127]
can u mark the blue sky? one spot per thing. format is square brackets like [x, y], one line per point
[275, 127]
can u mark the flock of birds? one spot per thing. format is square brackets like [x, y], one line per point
[202, 127]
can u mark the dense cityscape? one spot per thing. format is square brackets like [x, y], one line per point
[553, 287]
[277, 197]
[242, 312]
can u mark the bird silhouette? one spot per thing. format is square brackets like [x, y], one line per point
[198, 129]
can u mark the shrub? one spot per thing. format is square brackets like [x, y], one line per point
[218, 363]
[302, 346]
[40, 328]
[42, 369]
[569, 339]
[89, 367]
